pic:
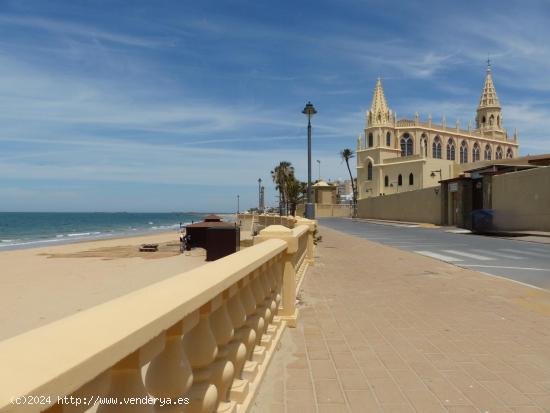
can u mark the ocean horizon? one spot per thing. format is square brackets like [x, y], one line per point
[21, 230]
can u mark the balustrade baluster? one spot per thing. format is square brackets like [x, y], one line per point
[201, 349]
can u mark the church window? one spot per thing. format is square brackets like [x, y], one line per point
[388, 139]
[386, 180]
[369, 171]
[483, 120]
[509, 153]
[424, 144]
[399, 180]
[498, 153]
[491, 120]
[371, 140]
[475, 152]
[464, 152]
[436, 148]
[411, 179]
[487, 155]
[450, 150]
[406, 145]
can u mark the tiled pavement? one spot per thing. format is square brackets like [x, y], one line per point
[383, 330]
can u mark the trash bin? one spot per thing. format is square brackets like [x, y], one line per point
[482, 220]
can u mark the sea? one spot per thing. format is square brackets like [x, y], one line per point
[35, 229]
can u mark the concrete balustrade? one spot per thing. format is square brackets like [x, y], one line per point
[205, 336]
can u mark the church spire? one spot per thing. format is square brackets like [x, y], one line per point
[489, 96]
[488, 112]
[379, 113]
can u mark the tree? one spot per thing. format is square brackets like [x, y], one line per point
[280, 175]
[295, 193]
[346, 155]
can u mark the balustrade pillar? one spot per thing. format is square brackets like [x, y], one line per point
[201, 349]
[223, 368]
[126, 382]
[170, 375]
[244, 337]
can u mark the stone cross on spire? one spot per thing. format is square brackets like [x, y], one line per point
[379, 113]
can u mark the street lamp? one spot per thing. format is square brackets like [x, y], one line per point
[238, 202]
[319, 165]
[309, 111]
[259, 194]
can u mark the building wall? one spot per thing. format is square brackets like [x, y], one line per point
[423, 205]
[521, 200]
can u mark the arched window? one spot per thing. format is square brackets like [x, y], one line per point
[399, 180]
[498, 153]
[488, 153]
[411, 179]
[369, 171]
[475, 152]
[450, 150]
[436, 148]
[491, 120]
[463, 152]
[424, 144]
[406, 145]
[509, 153]
[386, 181]
[483, 120]
[371, 140]
[388, 139]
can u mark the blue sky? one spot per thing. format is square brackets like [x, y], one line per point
[182, 105]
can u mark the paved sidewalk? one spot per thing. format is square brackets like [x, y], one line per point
[384, 330]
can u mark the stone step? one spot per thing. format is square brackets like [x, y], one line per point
[227, 407]
[250, 370]
[259, 354]
[239, 390]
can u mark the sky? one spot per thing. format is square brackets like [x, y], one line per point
[110, 105]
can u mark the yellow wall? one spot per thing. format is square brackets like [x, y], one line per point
[415, 206]
[521, 200]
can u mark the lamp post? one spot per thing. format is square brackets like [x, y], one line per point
[309, 111]
[238, 202]
[319, 165]
[259, 194]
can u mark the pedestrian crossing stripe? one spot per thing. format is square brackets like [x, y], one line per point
[469, 255]
[534, 254]
[437, 256]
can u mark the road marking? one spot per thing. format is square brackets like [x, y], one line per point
[438, 256]
[514, 281]
[459, 231]
[502, 255]
[506, 268]
[534, 254]
[469, 255]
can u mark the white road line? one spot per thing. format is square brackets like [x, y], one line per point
[505, 268]
[502, 255]
[459, 231]
[438, 256]
[534, 254]
[469, 255]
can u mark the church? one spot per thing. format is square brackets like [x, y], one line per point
[395, 156]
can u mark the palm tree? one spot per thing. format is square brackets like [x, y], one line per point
[295, 192]
[346, 155]
[280, 176]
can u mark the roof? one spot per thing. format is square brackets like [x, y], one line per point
[212, 217]
[211, 224]
[489, 96]
[322, 183]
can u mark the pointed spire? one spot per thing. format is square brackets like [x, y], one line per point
[489, 96]
[379, 113]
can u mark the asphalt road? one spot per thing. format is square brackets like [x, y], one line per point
[522, 261]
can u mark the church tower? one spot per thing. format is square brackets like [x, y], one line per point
[489, 116]
[379, 113]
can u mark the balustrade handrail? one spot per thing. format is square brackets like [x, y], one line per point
[58, 358]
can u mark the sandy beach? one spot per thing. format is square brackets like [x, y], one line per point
[40, 285]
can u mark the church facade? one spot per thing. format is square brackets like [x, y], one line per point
[408, 154]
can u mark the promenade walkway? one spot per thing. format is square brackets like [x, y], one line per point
[384, 330]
